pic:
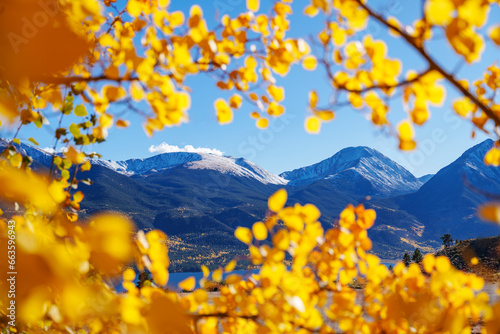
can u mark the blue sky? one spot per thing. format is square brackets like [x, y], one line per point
[285, 145]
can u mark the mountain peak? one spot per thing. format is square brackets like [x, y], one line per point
[358, 164]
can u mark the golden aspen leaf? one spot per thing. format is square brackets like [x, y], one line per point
[311, 213]
[122, 123]
[106, 120]
[474, 261]
[309, 63]
[281, 240]
[235, 101]
[176, 19]
[134, 8]
[428, 262]
[113, 93]
[31, 139]
[277, 201]
[476, 282]
[136, 91]
[223, 111]
[205, 271]
[253, 5]
[217, 275]
[492, 157]
[19, 185]
[128, 275]
[253, 96]
[243, 234]
[259, 230]
[78, 196]
[275, 109]
[75, 156]
[494, 34]
[312, 124]
[42, 40]
[188, 284]
[311, 11]
[439, 11]
[80, 110]
[406, 142]
[110, 238]
[85, 166]
[325, 115]
[490, 212]
[443, 264]
[230, 266]
[313, 99]
[262, 123]
[277, 93]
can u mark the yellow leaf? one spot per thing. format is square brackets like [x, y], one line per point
[494, 34]
[113, 93]
[281, 240]
[106, 120]
[78, 196]
[230, 266]
[277, 200]
[313, 99]
[443, 264]
[205, 271]
[217, 275]
[243, 234]
[188, 284]
[259, 230]
[406, 142]
[309, 63]
[262, 123]
[428, 263]
[136, 91]
[223, 111]
[128, 275]
[33, 141]
[277, 93]
[313, 124]
[492, 157]
[85, 166]
[235, 101]
[325, 115]
[122, 123]
[490, 212]
[74, 156]
[474, 261]
[439, 11]
[253, 5]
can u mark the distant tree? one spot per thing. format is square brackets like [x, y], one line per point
[145, 279]
[406, 259]
[417, 256]
[447, 240]
[390, 267]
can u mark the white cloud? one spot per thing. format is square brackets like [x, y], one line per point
[166, 148]
[50, 150]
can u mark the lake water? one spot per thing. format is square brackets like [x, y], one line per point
[176, 278]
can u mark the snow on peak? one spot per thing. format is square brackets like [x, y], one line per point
[223, 164]
[380, 171]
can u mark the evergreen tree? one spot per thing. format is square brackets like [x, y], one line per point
[417, 256]
[406, 259]
[447, 240]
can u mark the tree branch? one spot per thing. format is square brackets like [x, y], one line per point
[432, 64]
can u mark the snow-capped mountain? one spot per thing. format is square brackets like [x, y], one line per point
[369, 171]
[238, 167]
[448, 202]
